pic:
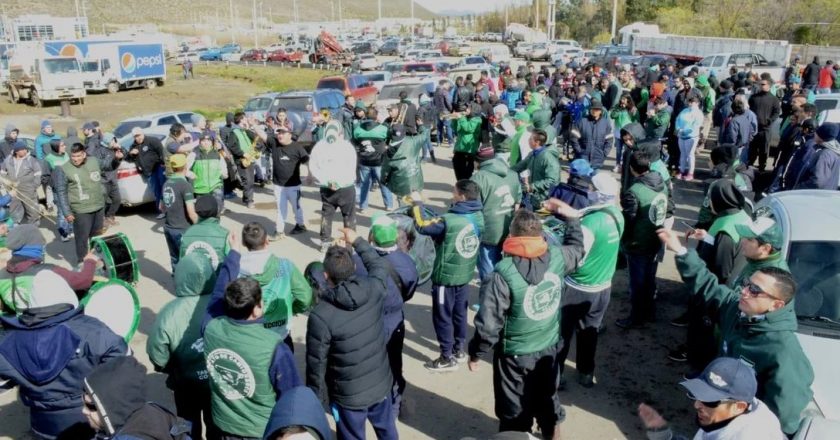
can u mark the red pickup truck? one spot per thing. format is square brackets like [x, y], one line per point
[356, 85]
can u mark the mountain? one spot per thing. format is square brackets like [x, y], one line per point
[108, 12]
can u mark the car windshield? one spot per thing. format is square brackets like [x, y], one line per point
[392, 91]
[375, 77]
[337, 84]
[296, 103]
[816, 267]
[419, 68]
[825, 104]
[257, 104]
[707, 61]
[61, 65]
[125, 128]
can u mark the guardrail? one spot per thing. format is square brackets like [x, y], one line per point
[285, 64]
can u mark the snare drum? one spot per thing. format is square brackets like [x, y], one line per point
[119, 257]
[116, 304]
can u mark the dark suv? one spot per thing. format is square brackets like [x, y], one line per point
[391, 47]
[300, 104]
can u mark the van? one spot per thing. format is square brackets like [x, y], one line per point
[496, 54]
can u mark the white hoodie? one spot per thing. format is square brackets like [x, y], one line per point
[759, 423]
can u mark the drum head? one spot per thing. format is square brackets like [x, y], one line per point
[119, 257]
[115, 303]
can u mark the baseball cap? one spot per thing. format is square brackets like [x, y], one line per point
[580, 167]
[107, 138]
[763, 229]
[177, 161]
[383, 230]
[723, 379]
[136, 131]
[88, 126]
[396, 134]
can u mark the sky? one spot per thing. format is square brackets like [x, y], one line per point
[475, 6]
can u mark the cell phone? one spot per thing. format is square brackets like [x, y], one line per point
[690, 228]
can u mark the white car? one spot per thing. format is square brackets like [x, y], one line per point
[429, 55]
[810, 222]
[378, 77]
[164, 119]
[368, 61]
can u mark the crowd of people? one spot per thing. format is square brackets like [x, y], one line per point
[546, 250]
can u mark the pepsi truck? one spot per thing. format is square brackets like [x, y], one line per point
[123, 65]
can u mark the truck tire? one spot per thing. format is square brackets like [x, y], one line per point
[36, 100]
[14, 96]
[113, 87]
[150, 84]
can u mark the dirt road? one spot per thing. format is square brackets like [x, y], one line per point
[632, 365]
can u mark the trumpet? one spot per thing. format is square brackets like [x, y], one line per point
[450, 116]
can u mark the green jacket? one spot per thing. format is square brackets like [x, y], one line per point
[468, 132]
[208, 169]
[657, 125]
[285, 291]
[649, 209]
[500, 193]
[175, 345]
[602, 229]
[544, 166]
[542, 121]
[80, 189]
[767, 342]
[209, 237]
[514, 145]
[621, 117]
[401, 171]
[54, 160]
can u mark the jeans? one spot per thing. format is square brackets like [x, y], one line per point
[156, 181]
[619, 148]
[428, 148]
[449, 316]
[366, 177]
[173, 242]
[285, 196]
[687, 159]
[86, 226]
[488, 256]
[444, 128]
[642, 272]
[219, 195]
[65, 228]
[823, 90]
[350, 423]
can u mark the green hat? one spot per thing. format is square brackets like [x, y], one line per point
[765, 230]
[522, 116]
[383, 230]
[360, 105]
[703, 80]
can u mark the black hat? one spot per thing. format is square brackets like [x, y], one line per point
[596, 105]
[396, 134]
[206, 206]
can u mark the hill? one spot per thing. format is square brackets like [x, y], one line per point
[108, 12]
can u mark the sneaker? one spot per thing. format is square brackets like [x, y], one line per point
[628, 323]
[617, 168]
[276, 236]
[360, 211]
[112, 221]
[252, 205]
[460, 357]
[689, 177]
[66, 238]
[161, 216]
[678, 355]
[442, 364]
[298, 229]
[586, 380]
[680, 321]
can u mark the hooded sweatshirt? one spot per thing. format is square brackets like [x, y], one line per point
[823, 168]
[544, 166]
[638, 133]
[118, 390]
[640, 231]
[298, 407]
[721, 246]
[8, 143]
[500, 192]
[767, 342]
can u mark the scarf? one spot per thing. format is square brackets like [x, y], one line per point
[31, 252]
[526, 247]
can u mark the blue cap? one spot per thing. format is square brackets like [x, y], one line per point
[19, 145]
[828, 131]
[580, 167]
[45, 123]
[723, 379]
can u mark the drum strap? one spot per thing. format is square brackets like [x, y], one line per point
[14, 291]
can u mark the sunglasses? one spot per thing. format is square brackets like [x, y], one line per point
[755, 290]
[708, 404]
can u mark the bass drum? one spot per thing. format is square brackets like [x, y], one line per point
[421, 248]
[117, 253]
[116, 304]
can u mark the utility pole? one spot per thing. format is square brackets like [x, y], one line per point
[232, 27]
[77, 8]
[550, 24]
[614, 19]
[340, 18]
[254, 24]
[379, 21]
[506, 16]
[412, 20]
[537, 14]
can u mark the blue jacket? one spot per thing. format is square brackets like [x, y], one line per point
[592, 140]
[48, 352]
[406, 270]
[574, 193]
[737, 131]
[298, 407]
[800, 159]
[823, 169]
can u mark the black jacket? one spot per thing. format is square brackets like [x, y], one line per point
[410, 119]
[285, 161]
[767, 108]
[442, 101]
[345, 340]
[811, 75]
[150, 156]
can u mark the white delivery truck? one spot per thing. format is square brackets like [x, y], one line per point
[121, 66]
[39, 79]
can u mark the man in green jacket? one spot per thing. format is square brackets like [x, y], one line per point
[521, 121]
[519, 322]
[457, 237]
[206, 236]
[209, 170]
[761, 246]
[401, 171]
[589, 287]
[81, 195]
[175, 345]
[500, 193]
[543, 169]
[468, 132]
[757, 324]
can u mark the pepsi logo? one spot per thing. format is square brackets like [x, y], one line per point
[70, 50]
[129, 64]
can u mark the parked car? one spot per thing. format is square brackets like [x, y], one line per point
[475, 71]
[473, 60]
[646, 61]
[395, 67]
[521, 49]
[566, 43]
[419, 68]
[360, 48]
[134, 189]
[539, 51]
[413, 87]
[165, 119]
[606, 55]
[429, 55]
[258, 106]
[231, 48]
[496, 54]
[212, 54]
[378, 77]
[810, 222]
[390, 47]
[719, 65]
[356, 85]
[564, 55]
[285, 55]
[254, 55]
[300, 105]
[367, 61]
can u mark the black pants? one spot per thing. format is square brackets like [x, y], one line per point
[463, 164]
[193, 405]
[84, 227]
[525, 388]
[580, 316]
[247, 176]
[112, 194]
[759, 147]
[343, 199]
[395, 349]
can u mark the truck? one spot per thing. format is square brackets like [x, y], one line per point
[646, 39]
[516, 32]
[122, 66]
[325, 49]
[39, 79]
